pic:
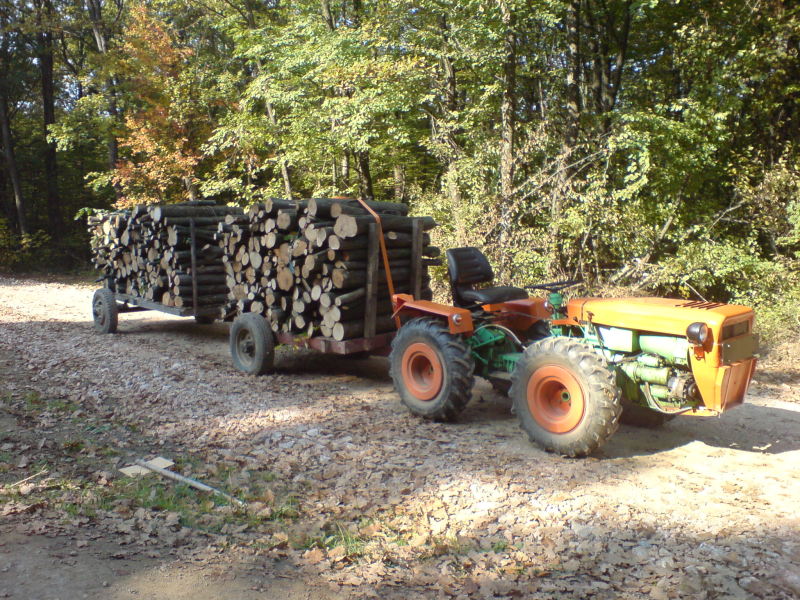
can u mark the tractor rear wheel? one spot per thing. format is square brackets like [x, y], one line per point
[565, 396]
[432, 369]
[104, 311]
[252, 344]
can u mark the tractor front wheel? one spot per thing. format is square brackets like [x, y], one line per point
[565, 396]
[432, 369]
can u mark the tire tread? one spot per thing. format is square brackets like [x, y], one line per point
[457, 357]
[109, 302]
[602, 389]
[258, 326]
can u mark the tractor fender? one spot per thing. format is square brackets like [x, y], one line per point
[459, 320]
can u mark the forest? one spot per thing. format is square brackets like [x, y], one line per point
[635, 144]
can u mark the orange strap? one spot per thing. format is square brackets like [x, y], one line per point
[384, 254]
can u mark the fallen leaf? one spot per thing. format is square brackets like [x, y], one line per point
[314, 555]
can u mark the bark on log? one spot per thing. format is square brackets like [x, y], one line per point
[352, 329]
[352, 207]
[348, 226]
[162, 211]
[343, 279]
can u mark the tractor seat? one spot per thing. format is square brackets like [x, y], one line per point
[468, 266]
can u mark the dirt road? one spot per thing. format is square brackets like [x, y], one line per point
[349, 495]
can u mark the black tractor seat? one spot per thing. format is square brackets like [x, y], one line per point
[469, 266]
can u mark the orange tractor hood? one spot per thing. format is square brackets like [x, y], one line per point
[721, 376]
[657, 315]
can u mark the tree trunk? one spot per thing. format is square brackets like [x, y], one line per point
[45, 56]
[345, 170]
[113, 144]
[451, 107]
[399, 182]
[95, 10]
[572, 24]
[507, 118]
[11, 164]
[448, 69]
[619, 64]
[326, 14]
[364, 176]
[285, 172]
[6, 197]
[191, 188]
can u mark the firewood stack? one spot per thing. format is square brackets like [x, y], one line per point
[303, 265]
[147, 252]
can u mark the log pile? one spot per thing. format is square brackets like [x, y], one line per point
[312, 267]
[147, 252]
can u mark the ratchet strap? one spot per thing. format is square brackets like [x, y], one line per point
[384, 253]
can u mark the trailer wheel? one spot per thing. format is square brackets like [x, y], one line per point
[104, 311]
[432, 369]
[252, 344]
[565, 396]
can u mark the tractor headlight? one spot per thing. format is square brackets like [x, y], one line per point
[697, 333]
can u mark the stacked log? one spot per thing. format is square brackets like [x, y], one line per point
[147, 252]
[304, 265]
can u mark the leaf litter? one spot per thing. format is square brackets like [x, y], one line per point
[360, 496]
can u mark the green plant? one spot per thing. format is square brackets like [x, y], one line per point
[23, 251]
[338, 535]
[500, 546]
[73, 446]
[737, 272]
[287, 508]
[33, 401]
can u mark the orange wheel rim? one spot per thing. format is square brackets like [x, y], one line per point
[556, 399]
[422, 371]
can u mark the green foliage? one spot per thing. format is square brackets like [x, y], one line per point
[653, 144]
[777, 320]
[735, 272]
[725, 271]
[18, 252]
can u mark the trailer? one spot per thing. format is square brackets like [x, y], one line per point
[253, 341]
[108, 303]
[252, 337]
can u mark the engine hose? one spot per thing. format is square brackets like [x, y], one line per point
[657, 406]
[506, 330]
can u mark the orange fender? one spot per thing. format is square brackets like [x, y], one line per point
[459, 320]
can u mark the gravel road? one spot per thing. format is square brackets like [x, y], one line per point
[703, 508]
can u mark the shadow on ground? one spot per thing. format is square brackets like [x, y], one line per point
[390, 453]
[752, 427]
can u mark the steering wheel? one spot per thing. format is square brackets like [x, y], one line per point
[555, 286]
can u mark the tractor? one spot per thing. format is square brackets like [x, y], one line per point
[573, 369]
